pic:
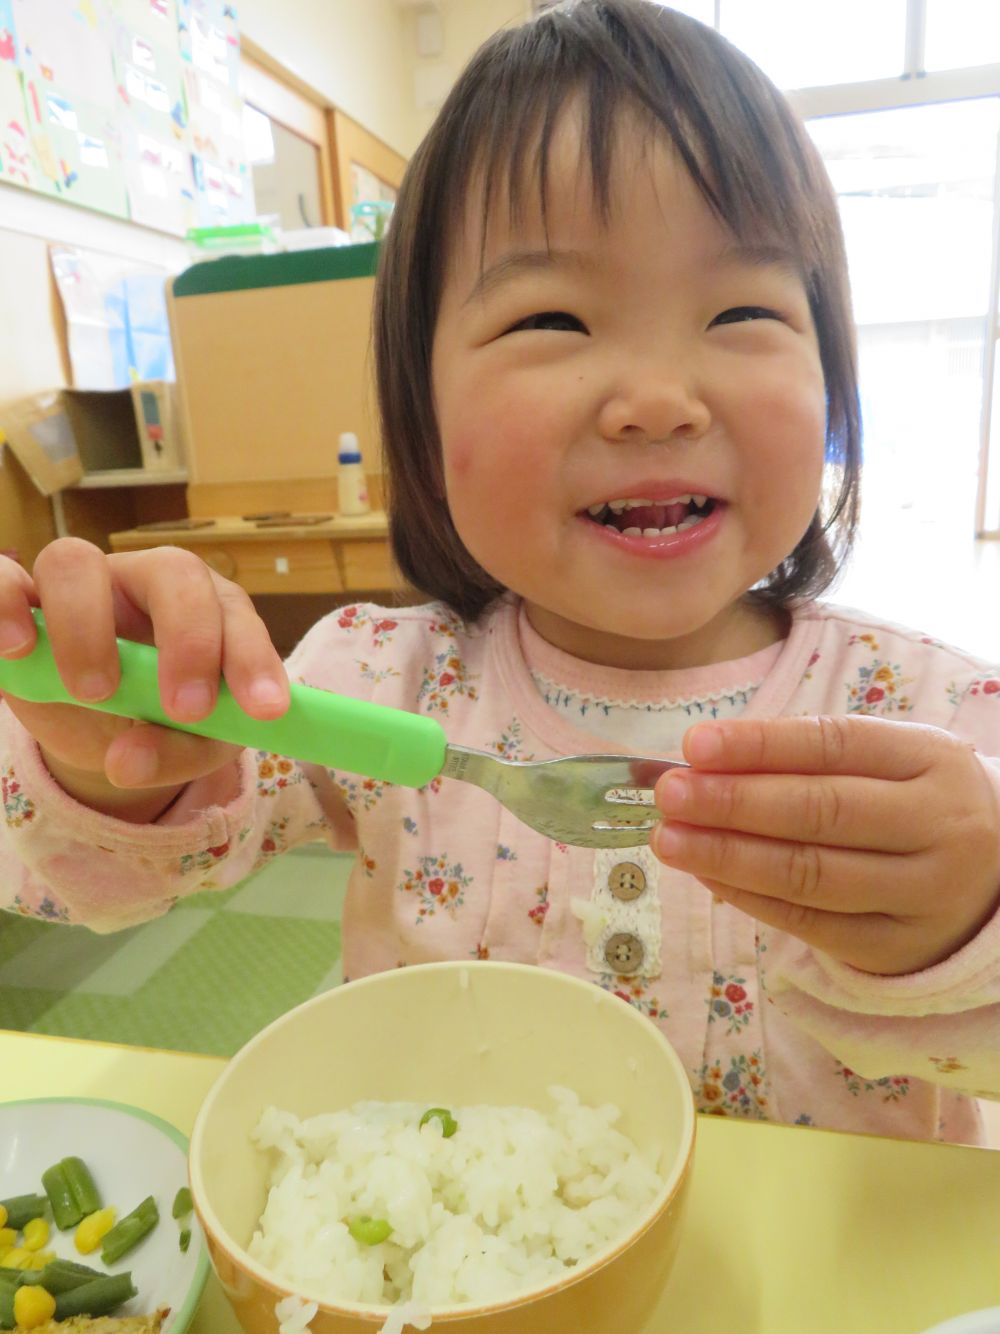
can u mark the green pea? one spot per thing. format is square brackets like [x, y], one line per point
[183, 1204]
[448, 1123]
[368, 1231]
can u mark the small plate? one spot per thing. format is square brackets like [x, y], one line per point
[131, 1154]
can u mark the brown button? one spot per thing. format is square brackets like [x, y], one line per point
[624, 952]
[627, 881]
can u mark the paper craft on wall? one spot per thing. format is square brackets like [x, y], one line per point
[116, 319]
[130, 107]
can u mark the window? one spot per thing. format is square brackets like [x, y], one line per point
[808, 45]
[961, 33]
[916, 186]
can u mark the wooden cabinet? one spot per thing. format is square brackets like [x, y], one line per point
[339, 555]
[103, 501]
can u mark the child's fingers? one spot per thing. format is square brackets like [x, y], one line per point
[147, 756]
[251, 664]
[17, 596]
[836, 811]
[76, 736]
[204, 625]
[74, 589]
[804, 875]
[849, 744]
[178, 594]
[869, 941]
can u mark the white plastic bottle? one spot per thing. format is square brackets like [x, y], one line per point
[352, 489]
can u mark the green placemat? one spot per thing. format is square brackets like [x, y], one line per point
[205, 978]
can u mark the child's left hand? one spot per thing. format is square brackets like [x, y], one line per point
[876, 842]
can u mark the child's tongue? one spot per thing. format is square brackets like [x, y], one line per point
[649, 516]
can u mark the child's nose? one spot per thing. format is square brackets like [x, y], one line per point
[655, 403]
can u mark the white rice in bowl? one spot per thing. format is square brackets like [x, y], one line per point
[511, 1200]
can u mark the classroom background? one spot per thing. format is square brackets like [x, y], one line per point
[144, 393]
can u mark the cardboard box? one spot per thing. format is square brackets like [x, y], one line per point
[126, 428]
[40, 436]
[273, 356]
[62, 434]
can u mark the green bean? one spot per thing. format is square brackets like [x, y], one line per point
[130, 1230]
[22, 1209]
[100, 1296]
[7, 1320]
[183, 1203]
[62, 1276]
[81, 1185]
[448, 1123]
[368, 1231]
[77, 1267]
[65, 1210]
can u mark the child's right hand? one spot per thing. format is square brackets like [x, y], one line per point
[201, 624]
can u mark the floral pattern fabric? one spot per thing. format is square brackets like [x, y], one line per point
[765, 1027]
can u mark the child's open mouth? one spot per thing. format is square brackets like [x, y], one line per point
[652, 518]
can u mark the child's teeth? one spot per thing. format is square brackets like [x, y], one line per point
[594, 510]
[700, 500]
[616, 506]
[634, 532]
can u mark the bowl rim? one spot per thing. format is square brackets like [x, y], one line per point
[217, 1236]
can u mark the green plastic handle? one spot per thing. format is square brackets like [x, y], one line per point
[319, 727]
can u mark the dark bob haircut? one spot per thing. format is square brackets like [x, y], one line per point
[746, 151]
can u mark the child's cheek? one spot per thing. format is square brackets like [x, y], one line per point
[459, 457]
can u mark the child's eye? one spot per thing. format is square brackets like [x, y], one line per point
[559, 320]
[741, 314]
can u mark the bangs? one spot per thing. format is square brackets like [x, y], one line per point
[752, 169]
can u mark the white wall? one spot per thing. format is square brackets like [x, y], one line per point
[465, 25]
[362, 54]
[353, 52]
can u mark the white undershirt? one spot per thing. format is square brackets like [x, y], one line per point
[648, 710]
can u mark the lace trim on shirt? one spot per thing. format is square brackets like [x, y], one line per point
[649, 706]
[605, 917]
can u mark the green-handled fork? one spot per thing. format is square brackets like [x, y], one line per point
[592, 801]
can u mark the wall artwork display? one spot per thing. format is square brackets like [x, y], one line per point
[129, 107]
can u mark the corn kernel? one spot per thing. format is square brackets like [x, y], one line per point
[3, 1215]
[36, 1234]
[33, 1306]
[18, 1258]
[92, 1231]
[8, 1239]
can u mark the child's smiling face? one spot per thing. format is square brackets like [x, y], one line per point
[642, 358]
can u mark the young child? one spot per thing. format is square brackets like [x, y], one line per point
[617, 382]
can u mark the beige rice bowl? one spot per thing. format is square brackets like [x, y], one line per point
[548, 1196]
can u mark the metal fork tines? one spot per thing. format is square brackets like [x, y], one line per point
[590, 801]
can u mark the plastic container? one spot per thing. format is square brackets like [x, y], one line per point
[369, 220]
[314, 238]
[248, 238]
[352, 488]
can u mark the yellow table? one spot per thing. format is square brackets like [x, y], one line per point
[790, 1230]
